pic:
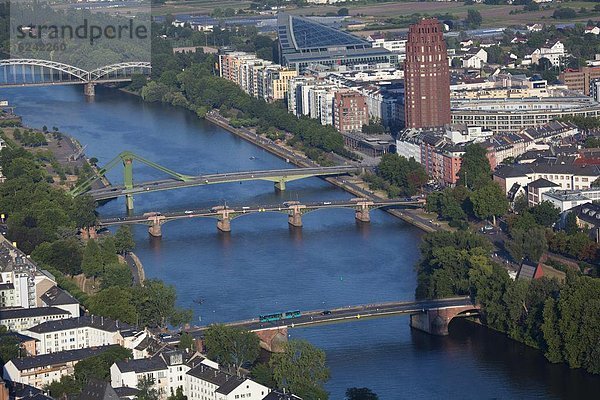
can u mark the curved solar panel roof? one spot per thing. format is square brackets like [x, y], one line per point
[301, 33]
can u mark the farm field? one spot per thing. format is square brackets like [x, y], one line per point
[493, 15]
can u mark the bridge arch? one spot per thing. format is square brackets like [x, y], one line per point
[75, 72]
[99, 73]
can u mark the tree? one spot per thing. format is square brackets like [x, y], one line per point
[146, 389]
[571, 224]
[473, 19]
[186, 342]
[138, 81]
[263, 374]
[155, 304]
[529, 244]
[116, 303]
[489, 201]
[521, 203]
[116, 275]
[9, 348]
[124, 242]
[475, 171]
[92, 264]
[98, 367]
[64, 388]
[545, 213]
[342, 12]
[407, 174]
[564, 13]
[360, 394]
[178, 395]
[64, 255]
[301, 369]
[231, 346]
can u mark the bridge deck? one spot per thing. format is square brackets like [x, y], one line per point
[237, 210]
[347, 314]
[269, 175]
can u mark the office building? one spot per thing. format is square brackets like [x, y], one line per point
[427, 78]
[304, 42]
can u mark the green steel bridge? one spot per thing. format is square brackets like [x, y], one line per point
[279, 177]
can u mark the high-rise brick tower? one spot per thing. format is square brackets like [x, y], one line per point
[426, 76]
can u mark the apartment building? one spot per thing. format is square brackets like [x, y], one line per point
[21, 319]
[350, 111]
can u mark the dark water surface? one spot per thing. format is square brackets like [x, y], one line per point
[264, 266]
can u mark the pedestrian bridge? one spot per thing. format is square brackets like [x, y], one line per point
[431, 316]
[293, 209]
[178, 180]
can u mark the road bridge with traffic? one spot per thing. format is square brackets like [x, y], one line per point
[293, 209]
[35, 72]
[178, 180]
[431, 316]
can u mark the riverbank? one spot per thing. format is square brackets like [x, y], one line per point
[137, 268]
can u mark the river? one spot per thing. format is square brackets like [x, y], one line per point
[264, 266]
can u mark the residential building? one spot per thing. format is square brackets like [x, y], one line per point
[167, 369]
[566, 176]
[427, 77]
[21, 319]
[28, 282]
[536, 189]
[580, 79]
[82, 332]
[350, 111]
[588, 217]
[566, 199]
[553, 52]
[56, 297]
[41, 370]
[198, 377]
[204, 382]
[304, 42]
[475, 59]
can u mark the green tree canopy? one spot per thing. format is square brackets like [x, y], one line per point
[475, 171]
[231, 346]
[301, 369]
[489, 201]
[362, 393]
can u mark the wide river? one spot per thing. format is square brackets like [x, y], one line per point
[264, 266]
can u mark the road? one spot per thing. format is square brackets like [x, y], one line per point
[346, 314]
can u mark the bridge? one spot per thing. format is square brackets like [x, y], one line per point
[431, 316]
[178, 180]
[224, 214]
[34, 72]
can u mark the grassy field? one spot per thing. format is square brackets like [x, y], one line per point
[493, 15]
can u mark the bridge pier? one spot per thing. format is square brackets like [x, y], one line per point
[89, 89]
[273, 340]
[155, 230]
[224, 224]
[435, 321]
[129, 202]
[280, 186]
[295, 216]
[362, 211]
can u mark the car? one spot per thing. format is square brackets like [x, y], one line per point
[188, 212]
[326, 203]
[245, 208]
[326, 312]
